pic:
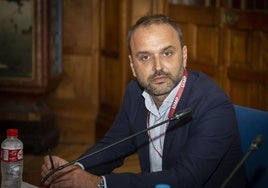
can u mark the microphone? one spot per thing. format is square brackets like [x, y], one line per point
[177, 116]
[256, 143]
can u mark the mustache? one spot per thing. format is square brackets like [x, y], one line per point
[159, 73]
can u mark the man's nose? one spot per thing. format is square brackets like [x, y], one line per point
[157, 63]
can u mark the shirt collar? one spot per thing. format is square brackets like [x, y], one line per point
[151, 106]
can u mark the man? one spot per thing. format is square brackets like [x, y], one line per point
[197, 152]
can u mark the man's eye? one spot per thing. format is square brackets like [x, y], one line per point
[167, 53]
[144, 58]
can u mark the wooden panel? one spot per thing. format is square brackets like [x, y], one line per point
[111, 69]
[245, 57]
[248, 94]
[110, 26]
[138, 9]
[191, 14]
[231, 47]
[254, 20]
[201, 30]
[110, 86]
[117, 17]
[77, 93]
[237, 47]
[74, 20]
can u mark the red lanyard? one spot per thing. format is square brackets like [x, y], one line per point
[172, 109]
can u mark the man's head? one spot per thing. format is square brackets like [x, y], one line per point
[154, 19]
[157, 54]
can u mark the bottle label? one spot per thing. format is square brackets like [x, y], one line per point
[11, 155]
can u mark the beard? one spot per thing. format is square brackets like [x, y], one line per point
[162, 88]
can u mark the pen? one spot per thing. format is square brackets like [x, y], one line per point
[51, 160]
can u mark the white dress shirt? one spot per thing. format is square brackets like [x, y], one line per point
[157, 134]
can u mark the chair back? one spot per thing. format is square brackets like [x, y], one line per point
[253, 122]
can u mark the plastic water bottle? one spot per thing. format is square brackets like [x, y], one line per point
[162, 186]
[11, 160]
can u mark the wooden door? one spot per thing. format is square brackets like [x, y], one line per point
[229, 43]
[245, 47]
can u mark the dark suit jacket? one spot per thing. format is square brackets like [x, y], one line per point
[198, 152]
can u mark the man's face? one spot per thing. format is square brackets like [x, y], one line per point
[157, 59]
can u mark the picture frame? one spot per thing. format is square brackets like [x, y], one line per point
[31, 45]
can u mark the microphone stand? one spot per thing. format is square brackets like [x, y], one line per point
[177, 116]
[254, 145]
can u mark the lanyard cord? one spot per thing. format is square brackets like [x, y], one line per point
[171, 111]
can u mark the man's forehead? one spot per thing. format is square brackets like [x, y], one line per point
[152, 26]
[159, 29]
[154, 37]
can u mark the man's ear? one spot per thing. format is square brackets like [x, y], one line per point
[131, 65]
[184, 56]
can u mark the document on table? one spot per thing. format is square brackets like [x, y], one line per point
[27, 185]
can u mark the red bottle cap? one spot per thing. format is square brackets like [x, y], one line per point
[12, 132]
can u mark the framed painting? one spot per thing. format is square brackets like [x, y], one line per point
[30, 45]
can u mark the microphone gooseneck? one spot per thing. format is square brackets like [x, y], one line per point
[256, 143]
[177, 116]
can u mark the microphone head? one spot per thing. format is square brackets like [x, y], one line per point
[257, 142]
[182, 114]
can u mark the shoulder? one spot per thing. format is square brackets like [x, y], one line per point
[200, 82]
[133, 93]
[200, 77]
[133, 88]
[201, 90]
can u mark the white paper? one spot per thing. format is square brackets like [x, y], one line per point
[27, 185]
